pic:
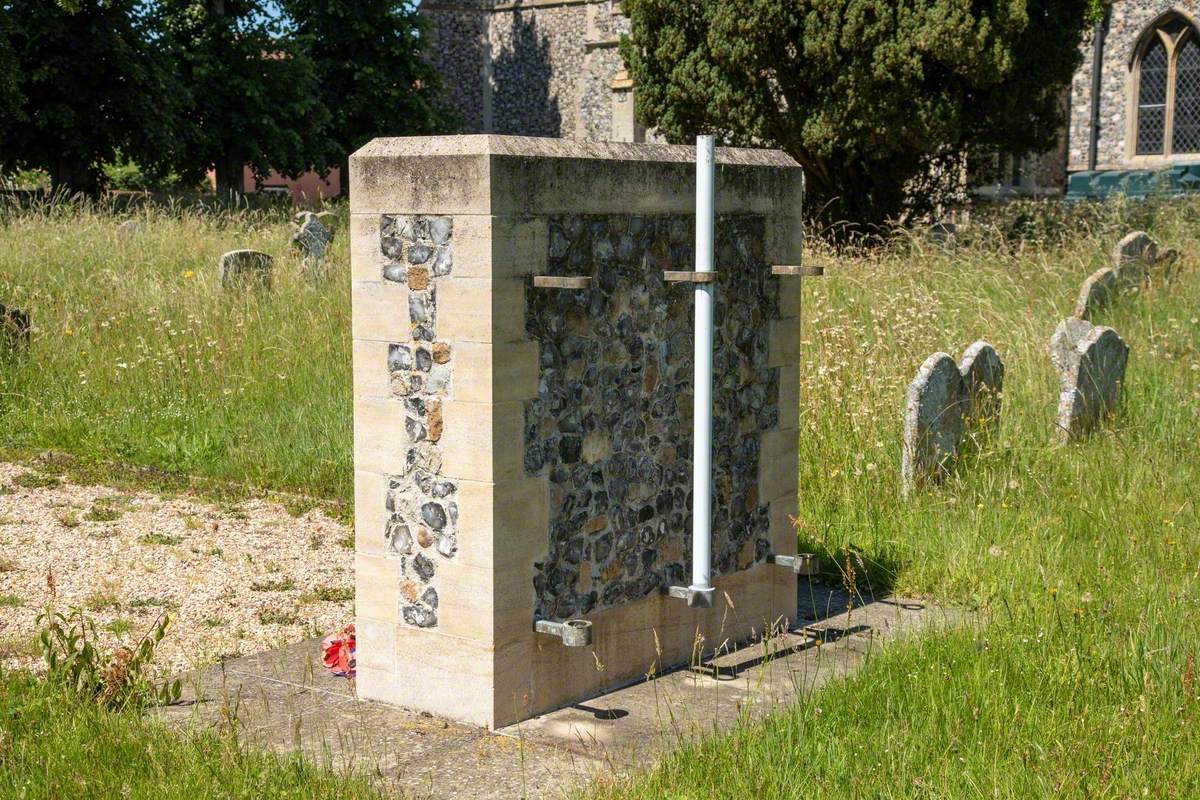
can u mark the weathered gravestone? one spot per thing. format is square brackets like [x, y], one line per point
[1135, 260]
[312, 238]
[983, 372]
[934, 415]
[1097, 292]
[1091, 360]
[129, 228]
[239, 268]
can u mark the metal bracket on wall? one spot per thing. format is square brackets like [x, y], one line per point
[562, 282]
[797, 272]
[676, 276]
[801, 563]
[573, 632]
[696, 598]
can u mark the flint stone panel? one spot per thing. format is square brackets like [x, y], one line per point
[242, 268]
[934, 416]
[611, 427]
[422, 527]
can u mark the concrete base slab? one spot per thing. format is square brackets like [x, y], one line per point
[286, 701]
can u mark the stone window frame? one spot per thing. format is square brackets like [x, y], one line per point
[1153, 32]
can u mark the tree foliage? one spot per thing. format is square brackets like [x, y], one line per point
[90, 85]
[864, 94]
[10, 93]
[253, 92]
[374, 77]
[185, 86]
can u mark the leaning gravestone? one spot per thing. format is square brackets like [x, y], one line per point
[1134, 258]
[14, 330]
[312, 239]
[246, 268]
[1097, 291]
[934, 415]
[983, 373]
[1091, 360]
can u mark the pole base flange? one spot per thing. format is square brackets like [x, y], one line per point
[801, 563]
[695, 597]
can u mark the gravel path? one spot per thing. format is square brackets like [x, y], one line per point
[234, 580]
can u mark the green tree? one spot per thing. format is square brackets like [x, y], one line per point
[865, 94]
[91, 83]
[10, 92]
[374, 76]
[253, 94]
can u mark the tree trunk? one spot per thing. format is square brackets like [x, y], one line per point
[230, 185]
[75, 177]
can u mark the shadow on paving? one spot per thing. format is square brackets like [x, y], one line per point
[286, 701]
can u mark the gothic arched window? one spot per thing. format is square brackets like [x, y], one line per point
[1167, 71]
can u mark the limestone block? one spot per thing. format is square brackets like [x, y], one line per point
[933, 422]
[371, 376]
[377, 587]
[245, 268]
[366, 255]
[487, 246]
[495, 373]
[482, 441]
[370, 512]
[380, 312]
[482, 310]
[983, 372]
[380, 441]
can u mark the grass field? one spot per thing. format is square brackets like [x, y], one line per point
[1083, 562]
[140, 357]
[54, 746]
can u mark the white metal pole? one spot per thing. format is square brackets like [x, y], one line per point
[702, 415]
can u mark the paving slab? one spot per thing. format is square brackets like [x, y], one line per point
[286, 701]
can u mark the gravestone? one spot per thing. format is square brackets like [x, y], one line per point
[246, 268]
[313, 239]
[1097, 292]
[129, 228]
[1066, 338]
[1134, 259]
[1091, 360]
[934, 416]
[15, 329]
[983, 372]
